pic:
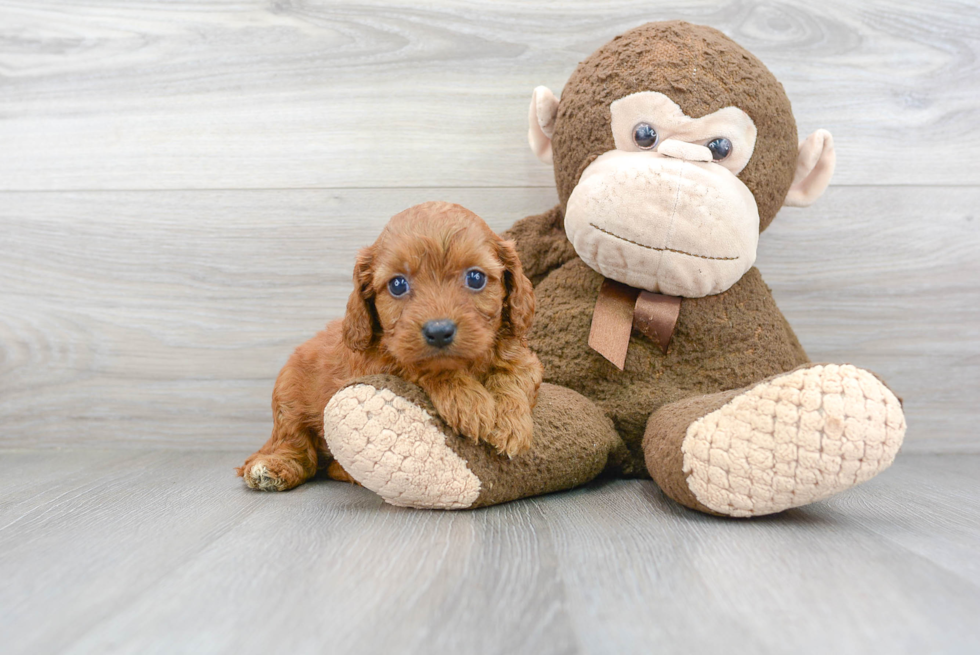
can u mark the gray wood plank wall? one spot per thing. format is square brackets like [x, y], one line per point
[183, 188]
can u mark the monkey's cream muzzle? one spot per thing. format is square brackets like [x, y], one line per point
[658, 212]
[664, 223]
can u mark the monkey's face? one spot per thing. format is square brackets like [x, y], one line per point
[665, 211]
[673, 147]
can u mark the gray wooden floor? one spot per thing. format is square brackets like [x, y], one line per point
[183, 187]
[167, 552]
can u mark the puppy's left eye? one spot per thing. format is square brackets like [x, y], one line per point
[476, 279]
[398, 286]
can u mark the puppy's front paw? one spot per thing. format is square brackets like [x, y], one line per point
[470, 411]
[513, 433]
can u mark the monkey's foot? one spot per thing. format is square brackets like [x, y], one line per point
[397, 449]
[386, 434]
[792, 440]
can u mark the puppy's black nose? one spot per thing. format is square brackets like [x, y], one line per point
[439, 333]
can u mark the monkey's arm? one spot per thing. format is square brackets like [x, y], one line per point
[541, 243]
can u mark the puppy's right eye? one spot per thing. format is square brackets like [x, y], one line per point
[398, 286]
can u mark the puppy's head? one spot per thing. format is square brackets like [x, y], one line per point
[438, 290]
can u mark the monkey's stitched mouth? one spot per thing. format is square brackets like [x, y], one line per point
[643, 245]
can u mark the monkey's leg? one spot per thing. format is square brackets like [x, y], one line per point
[388, 437]
[789, 440]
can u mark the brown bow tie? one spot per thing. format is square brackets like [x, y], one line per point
[620, 308]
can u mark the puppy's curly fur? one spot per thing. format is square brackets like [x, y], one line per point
[483, 384]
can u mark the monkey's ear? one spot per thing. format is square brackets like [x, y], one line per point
[814, 168]
[360, 322]
[541, 122]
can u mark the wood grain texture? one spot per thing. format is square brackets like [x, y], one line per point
[125, 551]
[111, 94]
[162, 318]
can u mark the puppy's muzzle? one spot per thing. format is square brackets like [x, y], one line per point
[439, 333]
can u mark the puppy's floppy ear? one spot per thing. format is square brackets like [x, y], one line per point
[519, 305]
[361, 323]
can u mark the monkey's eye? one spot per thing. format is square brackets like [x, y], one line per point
[644, 136]
[398, 286]
[720, 148]
[476, 279]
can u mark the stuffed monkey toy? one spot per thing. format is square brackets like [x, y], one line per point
[664, 353]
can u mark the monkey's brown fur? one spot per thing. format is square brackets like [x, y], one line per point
[484, 384]
[726, 341]
[721, 342]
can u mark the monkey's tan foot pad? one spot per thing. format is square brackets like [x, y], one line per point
[397, 449]
[793, 440]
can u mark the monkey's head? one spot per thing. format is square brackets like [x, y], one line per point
[673, 148]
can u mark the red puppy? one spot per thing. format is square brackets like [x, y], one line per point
[438, 300]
